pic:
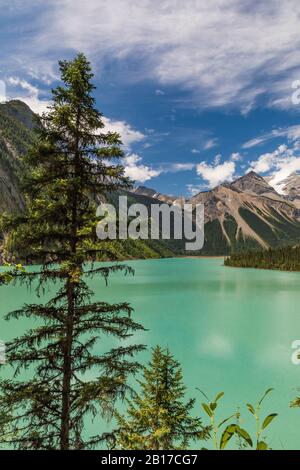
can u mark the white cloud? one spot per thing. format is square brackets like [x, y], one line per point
[292, 133]
[206, 145]
[278, 164]
[3, 96]
[210, 143]
[194, 189]
[135, 170]
[159, 92]
[267, 161]
[217, 159]
[216, 174]
[128, 135]
[31, 95]
[236, 157]
[175, 167]
[219, 56]
[147, 145]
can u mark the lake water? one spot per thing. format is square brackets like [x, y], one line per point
[231, 329]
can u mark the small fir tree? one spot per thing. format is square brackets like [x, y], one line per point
[158, 418]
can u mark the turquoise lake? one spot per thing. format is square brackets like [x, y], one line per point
[231, 329]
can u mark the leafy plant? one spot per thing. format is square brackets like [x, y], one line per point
[261, 425]
[221, 442]
[234, 428]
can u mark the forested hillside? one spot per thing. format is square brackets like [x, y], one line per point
[16, 123]
[285, 259]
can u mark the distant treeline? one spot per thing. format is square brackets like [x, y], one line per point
[285, 259]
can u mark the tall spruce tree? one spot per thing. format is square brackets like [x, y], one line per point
[6, 277]
[158, 418]
[72, 161]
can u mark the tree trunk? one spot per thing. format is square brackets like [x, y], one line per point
[67, 372]
[68, 365]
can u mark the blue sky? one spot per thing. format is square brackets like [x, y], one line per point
[200, 91]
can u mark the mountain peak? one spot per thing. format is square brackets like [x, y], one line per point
[144, 191]
[19, 111]
[252, 183]
[149, 192]
[252, 174]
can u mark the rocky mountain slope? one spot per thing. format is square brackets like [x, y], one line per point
[16, 122]
[254, 184]
[247, 213]
[151, 193]
[290, 187]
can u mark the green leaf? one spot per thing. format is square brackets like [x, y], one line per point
[242, 433]
[213, 406]
[250, 408]
[235, 415]
[269, 420]
[227, 435]
[265, 394]
[202, 393]
[262, 446]
[295, 403]
[220, 395]
[207, 409]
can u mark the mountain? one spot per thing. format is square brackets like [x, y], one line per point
[16, 123]
[151, 193]
[247, 213]
[254, 184]
[289, 186]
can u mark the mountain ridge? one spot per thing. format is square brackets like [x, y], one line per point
[246, 213]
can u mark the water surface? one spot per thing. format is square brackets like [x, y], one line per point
[231, 329]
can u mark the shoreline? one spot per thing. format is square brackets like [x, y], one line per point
[202, 256]
[124, 260]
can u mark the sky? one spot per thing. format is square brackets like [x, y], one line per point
[200, 91]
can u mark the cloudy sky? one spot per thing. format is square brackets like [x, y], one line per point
[201, 91]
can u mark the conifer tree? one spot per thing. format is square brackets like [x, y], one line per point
[67, 380]
[158, 418]
[285, 258]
